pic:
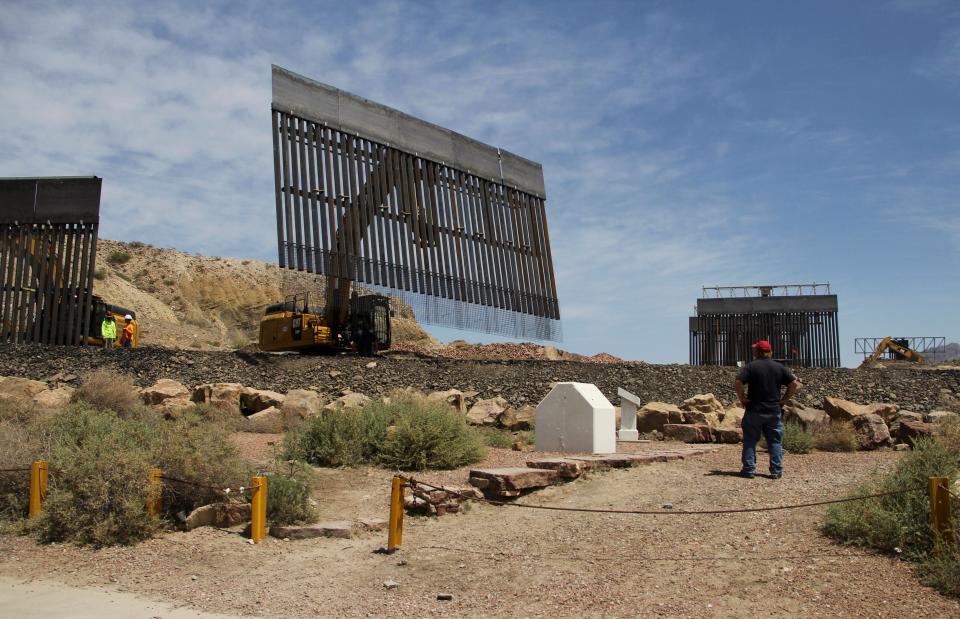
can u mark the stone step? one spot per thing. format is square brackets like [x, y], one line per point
[510, 482]
[566, 468]
[337, 528]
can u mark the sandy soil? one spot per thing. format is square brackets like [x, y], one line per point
[510, 561]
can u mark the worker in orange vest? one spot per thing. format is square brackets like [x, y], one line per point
[126, 338]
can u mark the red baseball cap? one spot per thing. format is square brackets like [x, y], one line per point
[763, 345]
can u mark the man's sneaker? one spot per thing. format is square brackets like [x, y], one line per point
[776, 475]
[747, 474]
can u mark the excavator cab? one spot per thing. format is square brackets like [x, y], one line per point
[292, 325]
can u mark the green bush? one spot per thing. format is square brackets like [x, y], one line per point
[797, 439]
[431, 436]
[346, 438]
[835, 436]
[103, 389]
[98, 470]
[901, 522]
[407, 432]
[289, 498]
[99, 275]
[118, 257]
[494, 437]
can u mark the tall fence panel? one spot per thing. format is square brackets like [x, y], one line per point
[48, 242]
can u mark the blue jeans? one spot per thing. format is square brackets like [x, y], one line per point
[771, 427]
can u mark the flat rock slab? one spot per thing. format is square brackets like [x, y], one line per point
[373, 524]
[511, 481]
[338, 528]
[616, 461]
[565, 467]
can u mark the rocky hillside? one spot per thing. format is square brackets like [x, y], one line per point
[519, 382]
[206, 303]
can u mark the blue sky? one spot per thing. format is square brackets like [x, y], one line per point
[683, 143]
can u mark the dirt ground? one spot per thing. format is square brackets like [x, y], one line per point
[510, 561]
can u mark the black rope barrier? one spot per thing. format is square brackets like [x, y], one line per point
[664, 512]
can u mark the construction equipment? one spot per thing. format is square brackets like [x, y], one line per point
[361, 324]
[898, 347]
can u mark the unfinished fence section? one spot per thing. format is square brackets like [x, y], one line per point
[48, 243]
[367, 194]
[799, 321]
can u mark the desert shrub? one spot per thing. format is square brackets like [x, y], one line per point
[238, 340]
[168, 282]
[796, 438]
[527, 437]
[899, 520]
[98, 470]
[103, 389]
[941, 570]
[407, 432]
[118, 257]
[99, 481]
[493, 437]
[192, 448]
[429, 435]
[99, 275]
[289, 497]
[349, 437]
[835, 436]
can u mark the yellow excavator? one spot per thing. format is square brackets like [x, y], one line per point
[899, 348]
[361, 323]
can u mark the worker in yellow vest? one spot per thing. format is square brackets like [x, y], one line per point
[108, 331]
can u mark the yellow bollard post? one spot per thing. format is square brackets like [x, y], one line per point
[155, 491]
[38, 486]
[940, 508]
[258, 510]
[395, 533]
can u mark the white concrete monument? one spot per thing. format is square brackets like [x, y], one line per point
[576, 417]
[628, 416]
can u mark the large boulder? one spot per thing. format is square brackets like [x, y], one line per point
[871, 431]
[267, 421]
[888, 412]
[843, 410]
[809, 418]
[695, 433]
[909, 431]
[172, 407]
[300, 405]
[704, 403]
[350, 400]
[654, 415]
[54, 399]
[224, 396]
[699, 417]
[727, 435]
[164, 389]
[453, 397]
[256, 400]
[218, 515]
[486, 412]
[20, 388]
[732, 417]
[516, 419]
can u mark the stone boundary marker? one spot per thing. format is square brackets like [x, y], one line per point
[514, 481]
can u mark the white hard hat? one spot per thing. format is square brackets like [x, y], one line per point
[128, 317]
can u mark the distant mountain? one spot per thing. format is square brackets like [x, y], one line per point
[950, 352]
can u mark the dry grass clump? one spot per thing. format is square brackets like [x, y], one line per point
[106, 390]
[835, 436]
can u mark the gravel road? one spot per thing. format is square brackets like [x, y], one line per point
[508, 561]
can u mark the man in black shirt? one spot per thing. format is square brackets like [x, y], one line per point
[764, 407]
